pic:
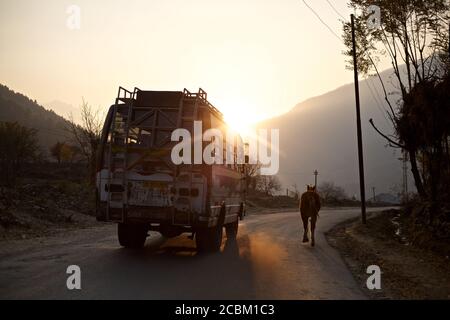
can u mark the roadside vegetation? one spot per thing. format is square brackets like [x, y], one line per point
[46, 189]
[414, 37]
[261, 197]
[388, 241]
[411, 245]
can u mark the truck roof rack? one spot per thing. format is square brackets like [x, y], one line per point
[145, 98]
[142, 123]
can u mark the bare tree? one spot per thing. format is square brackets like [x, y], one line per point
[296, 192]
[268, 184]
[330, 193]
[251, 175]
[86, 135]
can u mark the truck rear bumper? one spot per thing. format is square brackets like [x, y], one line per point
[156, 215]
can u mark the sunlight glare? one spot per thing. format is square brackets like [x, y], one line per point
[240, 118]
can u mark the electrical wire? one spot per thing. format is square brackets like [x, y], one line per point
[340, 40]
[335, 10]
[320, 19]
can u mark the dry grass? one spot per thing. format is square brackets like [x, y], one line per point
[408, 272]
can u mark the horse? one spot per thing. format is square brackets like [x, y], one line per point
[309, 209]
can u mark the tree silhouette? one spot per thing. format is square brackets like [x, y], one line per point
[63, 152]
[86, 135]
[18, 145]
[414, 36]
[330, 193]
[268, 184]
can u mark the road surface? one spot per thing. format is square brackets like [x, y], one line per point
[268, 261]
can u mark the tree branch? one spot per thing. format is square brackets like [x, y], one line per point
[391, 142]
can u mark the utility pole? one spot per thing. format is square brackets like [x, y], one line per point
[404, 160]
[373, 191]
[358, 127]
[316, 173]
[405, 176]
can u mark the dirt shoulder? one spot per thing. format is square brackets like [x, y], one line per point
[41, 207]
[408, 272]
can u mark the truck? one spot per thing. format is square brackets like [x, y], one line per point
[139, 187]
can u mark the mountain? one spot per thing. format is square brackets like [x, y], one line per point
[64, 110]
[16, 107]
[320, 133]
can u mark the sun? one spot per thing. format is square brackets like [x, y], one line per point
[241, 117]
[241, 124]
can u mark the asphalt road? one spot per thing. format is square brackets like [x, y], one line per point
[268, 261]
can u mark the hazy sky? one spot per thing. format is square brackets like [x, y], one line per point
[255, 59]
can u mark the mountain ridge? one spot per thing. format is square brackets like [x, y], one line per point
[320, 133]
[17, 107]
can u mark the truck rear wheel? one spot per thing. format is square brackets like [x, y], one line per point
[209, 239]
[131, 235]
[232, 229]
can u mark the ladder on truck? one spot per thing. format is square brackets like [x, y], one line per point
[118, 148]
[187, 115]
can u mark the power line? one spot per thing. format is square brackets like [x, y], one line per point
[375, 96]
[383, 112]
[335, 10]
[331, 30]
[320, 19]
[340, 40]
[358, 114]
[378, 98]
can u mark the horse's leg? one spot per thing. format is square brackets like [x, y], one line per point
[305, 228]
[313, 228]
